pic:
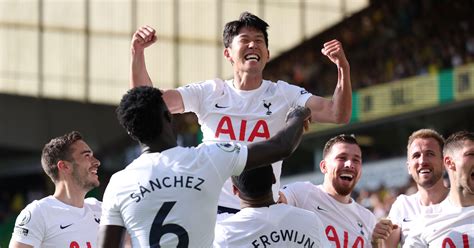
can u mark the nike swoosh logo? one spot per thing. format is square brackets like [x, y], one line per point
[217, 106]
[97, 220]
[66, 226]
[406, 220]
[321, 209]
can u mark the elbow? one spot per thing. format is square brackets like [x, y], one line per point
[343, 118]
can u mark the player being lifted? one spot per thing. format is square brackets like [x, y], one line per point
[246, 108]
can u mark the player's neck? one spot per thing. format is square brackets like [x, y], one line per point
[247, 81]
[265, 201]
[460, 197]
[433, 195]
[156, 147]
[70, 194]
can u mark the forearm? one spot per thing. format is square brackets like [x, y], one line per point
[342, 98]
[138, 72]
[279, 146]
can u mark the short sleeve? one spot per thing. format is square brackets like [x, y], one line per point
[110, 208]
[234, 153]
[394, 215]
[293, 193]
[194, 95]
[30, 227]
[294, 94]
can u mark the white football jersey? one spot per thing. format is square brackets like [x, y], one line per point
[229, 114]
[279, 225]
[345, 225]
[170, 198]
[406, 209]
[51, 223]
[453, 226]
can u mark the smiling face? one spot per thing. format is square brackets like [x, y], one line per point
[342, 168]
[248, 51]
[85, 166]
[425, 162]
[460, 164]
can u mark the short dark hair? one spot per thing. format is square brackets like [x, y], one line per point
[455, 141]
[255, 183]
[141, 112]
[246, 19]
[58, 149]
[342, 138]
[426, 134]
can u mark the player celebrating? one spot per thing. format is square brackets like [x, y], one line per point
[261, 222]
[246, 108]
[346, 221]
[168, 196]
[453, 225]
[64, 219]
[425, 165]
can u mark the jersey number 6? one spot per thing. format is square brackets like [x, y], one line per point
[158, 229]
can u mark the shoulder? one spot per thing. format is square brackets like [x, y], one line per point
[43, 203]
[403, 201]
[93, 203]
[300, 185]
[36, 209]
[214, 84]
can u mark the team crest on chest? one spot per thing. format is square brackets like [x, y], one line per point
[267, 106]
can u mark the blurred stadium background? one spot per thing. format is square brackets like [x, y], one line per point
[64, 66]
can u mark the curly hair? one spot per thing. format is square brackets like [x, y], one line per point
[342, 138]
[58, 149]
[246, 19]
[141, 112]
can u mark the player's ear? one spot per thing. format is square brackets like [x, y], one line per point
[228, 55]
[235, 190]
[449, 163]
[62, 165]
[323, 166]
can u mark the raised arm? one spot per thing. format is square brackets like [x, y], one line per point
[339, 108]
[142, 38]
[281, 145]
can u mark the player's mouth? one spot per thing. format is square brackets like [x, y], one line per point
[94, 171]
[424, 171]
[346, 177]
[250, 57]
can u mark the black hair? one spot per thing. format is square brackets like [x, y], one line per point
[246, 19]
[141, 112]
[58, 149]
[255, 183]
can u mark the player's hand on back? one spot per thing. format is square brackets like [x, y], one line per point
[143, 38]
